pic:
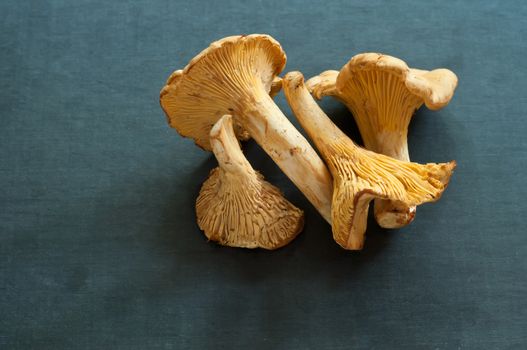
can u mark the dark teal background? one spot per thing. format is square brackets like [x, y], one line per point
[99, 248]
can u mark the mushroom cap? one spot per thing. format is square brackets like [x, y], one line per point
[220, 80]
[323, 84]
[435, 87]
[366, 175]
[242, 214]
[236, 206]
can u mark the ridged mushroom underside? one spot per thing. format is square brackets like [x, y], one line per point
[383, 107]
[248, 213]
[221, 80]
[360, 176]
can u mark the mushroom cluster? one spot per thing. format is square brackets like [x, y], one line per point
[224, 95]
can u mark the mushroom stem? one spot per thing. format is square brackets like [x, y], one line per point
[317, 124]
[392, 214]
[228, 152]
[271, 129]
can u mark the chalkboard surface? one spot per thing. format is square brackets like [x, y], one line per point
[99, 247]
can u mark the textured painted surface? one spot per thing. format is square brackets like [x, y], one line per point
[98, 242]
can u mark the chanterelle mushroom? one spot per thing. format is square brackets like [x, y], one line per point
[383, 93]
[236, 207]
[360, 175]
[235, 76]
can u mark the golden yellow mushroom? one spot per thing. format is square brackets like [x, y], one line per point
[360, 175]
[383, 93]
[236, 207]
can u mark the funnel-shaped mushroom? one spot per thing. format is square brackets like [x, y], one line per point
[360, 175]
[236, 207]
[383, 93]
[235, 76]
